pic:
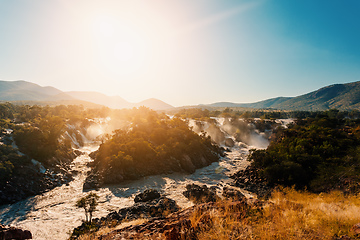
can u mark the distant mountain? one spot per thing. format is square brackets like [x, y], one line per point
[99, 98]
[23, 91]
[262, 104]
[339, 96]
[155, 104]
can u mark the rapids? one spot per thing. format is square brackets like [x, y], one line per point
[53, 215]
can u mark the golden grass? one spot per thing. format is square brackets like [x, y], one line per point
[108, 229]
[290, 214]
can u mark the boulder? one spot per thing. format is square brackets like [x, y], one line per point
[232, 194]
[147, 195]
[229, 142]
[199, 194]
[187, 164]
[7, 232]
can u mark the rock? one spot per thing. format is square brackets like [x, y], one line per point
[147, 195]
[153, 209]
[175, 226]
[7, 232]
[356, 229]
[91, 182]
[250, 180]
[78, 153]
[158, 207]
[199, 194]
[232, 194]
[229, 142]
[187, 164]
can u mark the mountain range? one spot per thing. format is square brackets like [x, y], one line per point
[33, 93]
[339, 96]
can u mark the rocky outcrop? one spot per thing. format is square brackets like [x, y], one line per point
[187, 164]
[7, 233]
[198, 194]
[27, 181]
[232, 194]
[229, 142]
[185, 224]
[147, 195]
[149, 204]
[249, 180]
[173, 227]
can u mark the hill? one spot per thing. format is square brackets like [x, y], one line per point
[22, 90]
[339, 96]
[99, 98]
[31, 93]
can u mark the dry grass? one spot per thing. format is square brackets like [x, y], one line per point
[289, 215]
[108, 229]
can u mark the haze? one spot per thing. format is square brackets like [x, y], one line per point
[182, 51]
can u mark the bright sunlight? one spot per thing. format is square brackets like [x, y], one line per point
[122, 46]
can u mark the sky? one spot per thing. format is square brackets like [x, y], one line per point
[183, 52]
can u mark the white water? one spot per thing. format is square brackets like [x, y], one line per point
[53, 214]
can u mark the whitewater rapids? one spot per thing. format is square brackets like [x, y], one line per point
[53, 215]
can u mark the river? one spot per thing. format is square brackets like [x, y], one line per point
[53, 215]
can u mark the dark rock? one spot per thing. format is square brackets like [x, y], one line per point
[147, 195]
[232, 194]
[250, 180]
[7, 232]
[175, 226]
[229, 142]
[156, 208]
[356, 229]
[78, 153]
[199, 194]
[187, 164]
[91, 182]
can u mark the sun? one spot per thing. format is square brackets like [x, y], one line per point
[122, 46]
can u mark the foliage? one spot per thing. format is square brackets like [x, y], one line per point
[317, 153]
[9, 160]
[246, 113]
[88, 203]
[155, 143]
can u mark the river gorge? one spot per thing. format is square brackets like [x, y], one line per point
[53, 215]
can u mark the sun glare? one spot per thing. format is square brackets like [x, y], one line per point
[122, 46]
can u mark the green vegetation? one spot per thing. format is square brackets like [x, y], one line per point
[154, 144]
[248, 113]
[319, 154]
[10, 160]
[88, 203]
[38, 133]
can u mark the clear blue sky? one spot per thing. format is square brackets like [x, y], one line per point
[181, 51]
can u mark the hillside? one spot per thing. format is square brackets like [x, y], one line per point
[31, 93]
[99, 98]
[339, 96]
[22, 90]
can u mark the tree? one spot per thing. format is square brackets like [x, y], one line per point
[88, 203]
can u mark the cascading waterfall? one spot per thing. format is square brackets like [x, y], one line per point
[53, 214]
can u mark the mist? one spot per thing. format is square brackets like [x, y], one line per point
[229, 131]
